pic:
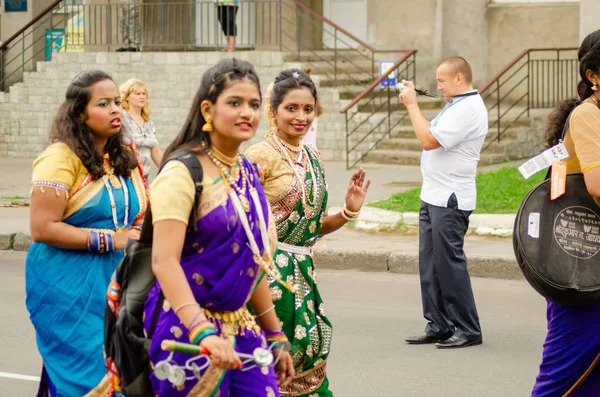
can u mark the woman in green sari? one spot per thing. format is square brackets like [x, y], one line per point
[294, 181]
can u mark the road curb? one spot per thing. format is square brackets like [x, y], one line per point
[504, 267]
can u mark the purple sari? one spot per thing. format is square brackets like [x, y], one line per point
[222, 273]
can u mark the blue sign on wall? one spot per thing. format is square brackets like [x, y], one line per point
[15, 5]
[384, 68]
[54, 41]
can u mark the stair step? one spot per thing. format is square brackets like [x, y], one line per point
[386, 156]
[326, 55]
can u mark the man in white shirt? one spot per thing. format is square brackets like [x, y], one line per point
[451, 145]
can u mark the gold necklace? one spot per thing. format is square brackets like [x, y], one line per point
[110, 173]
[226, 174]
[223, 158]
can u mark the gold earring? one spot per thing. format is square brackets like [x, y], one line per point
[208, 127]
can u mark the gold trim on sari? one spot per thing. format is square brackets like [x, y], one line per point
[306, 382]
[103, 389]
[82, 195]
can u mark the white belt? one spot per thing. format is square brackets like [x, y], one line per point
[294, 249]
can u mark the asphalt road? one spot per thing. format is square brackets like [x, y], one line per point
[371, 313]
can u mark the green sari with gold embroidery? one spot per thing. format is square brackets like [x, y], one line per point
[302, 313]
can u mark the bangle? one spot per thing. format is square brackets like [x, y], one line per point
[274, 336]
[207, 332]
[345, 216]
[101, 242]
[351, 214]
[265, 312]
[110, 247]
[199, 331]
[194, 325]
[189, 327]
[178, 308]
[89, 241]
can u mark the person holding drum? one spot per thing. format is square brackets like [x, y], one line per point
[572, 348]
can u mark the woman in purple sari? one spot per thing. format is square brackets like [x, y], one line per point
[208, 276]
[571, 354]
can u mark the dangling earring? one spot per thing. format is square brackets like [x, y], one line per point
[208, 127]
[595, 87]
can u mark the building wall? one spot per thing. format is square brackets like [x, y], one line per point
[407, 24]
[26, 112]
[487, 34]
[515, 27]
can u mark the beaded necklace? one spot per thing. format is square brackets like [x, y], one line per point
[225, 167]
[120, 182]
[307, 201]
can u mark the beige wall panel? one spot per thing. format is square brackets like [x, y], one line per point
[513, 28]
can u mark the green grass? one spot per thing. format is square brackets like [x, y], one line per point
[11, 197]
[498, 192]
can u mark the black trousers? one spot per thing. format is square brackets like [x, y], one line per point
[226, 15]
[448, 302]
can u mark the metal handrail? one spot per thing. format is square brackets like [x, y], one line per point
[339, 28]
[30, 24]
[376, 129]
[377, 81]
[518, 82]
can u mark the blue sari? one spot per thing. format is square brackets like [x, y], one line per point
[66, 289]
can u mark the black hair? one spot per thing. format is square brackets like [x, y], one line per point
[288, 80]
[214, 81]
[589, 59]
[69, 127]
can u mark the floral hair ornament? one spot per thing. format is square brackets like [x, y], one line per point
[268, 113]
[296, 75]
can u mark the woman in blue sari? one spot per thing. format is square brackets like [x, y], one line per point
[88, 196]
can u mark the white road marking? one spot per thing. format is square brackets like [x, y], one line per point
[19, 377]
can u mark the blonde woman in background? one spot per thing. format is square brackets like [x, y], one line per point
[137, 126]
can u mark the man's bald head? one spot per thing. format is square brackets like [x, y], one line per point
[454, 77]
[459, 65]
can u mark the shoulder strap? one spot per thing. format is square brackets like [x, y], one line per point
[193, 165]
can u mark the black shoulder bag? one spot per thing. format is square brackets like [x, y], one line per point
[125, 345]
[557, 242]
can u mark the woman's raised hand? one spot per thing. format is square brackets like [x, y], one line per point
[357, 191]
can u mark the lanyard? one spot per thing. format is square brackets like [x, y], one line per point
[456, 99]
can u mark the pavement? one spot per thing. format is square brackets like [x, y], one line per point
[371, 313]
[360, 247]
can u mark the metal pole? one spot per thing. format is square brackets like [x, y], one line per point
[347, 143]
[279, 25]
[335, 58]
[298, 31]
[528, 84]
[498, 110]
[389, 102]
